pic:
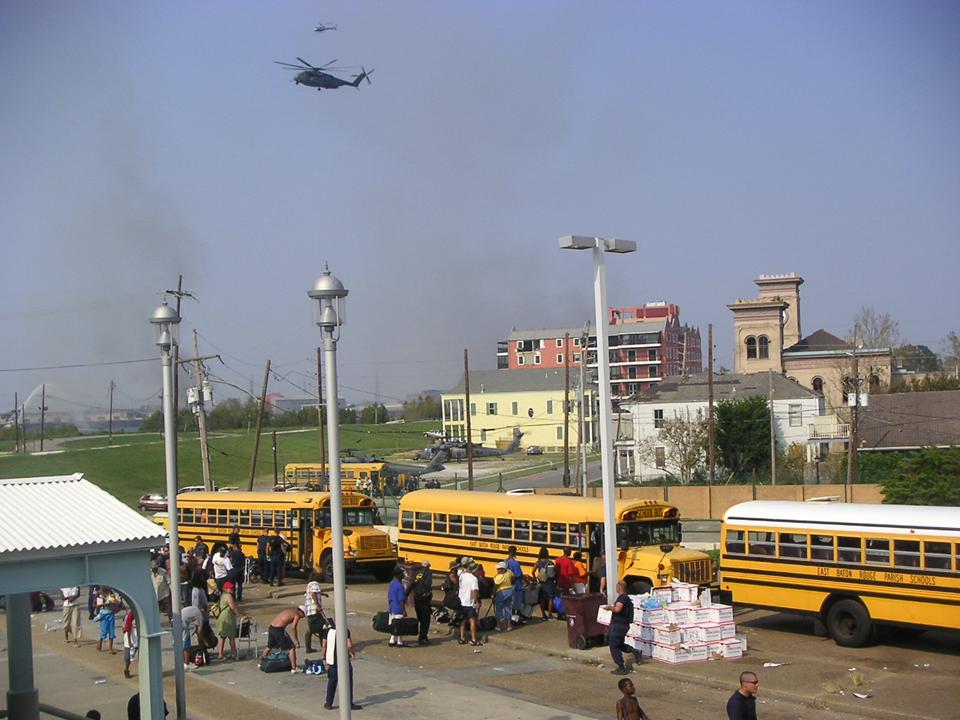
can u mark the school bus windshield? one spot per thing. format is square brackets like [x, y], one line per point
[635, 534]
[352, 517]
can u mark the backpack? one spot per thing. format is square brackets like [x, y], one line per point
[546, 571]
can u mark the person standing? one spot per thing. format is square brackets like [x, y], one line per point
[396, 600]
[513, 565]
[221, 565]
[545, 571]
[469, 595]
[200, 549]
[161, 586]
[422, 590]
[565, 572]
[107, 603]
[238, 564]
[263, 555]
[579, 574]
[330, 658]
[314, 606]
[71, 614]
[278, 557]
[226, 622]
[622, 616]
[131, 642]
[503, 596]
[627, 707]
[192, 621]
[742, 705]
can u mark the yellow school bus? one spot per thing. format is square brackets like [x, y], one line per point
[352, 475]
[851, 566]
[441, 525]
[302, 517]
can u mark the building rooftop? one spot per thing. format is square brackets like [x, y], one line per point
[66, 515]
[694, 388]
[628, 328]
[910, 420]
[498, 381]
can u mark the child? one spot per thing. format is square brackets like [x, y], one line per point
[107, 604]
[131, 642]
[627, 707]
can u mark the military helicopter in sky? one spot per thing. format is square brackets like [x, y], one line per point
[321, 27]
[313, 76]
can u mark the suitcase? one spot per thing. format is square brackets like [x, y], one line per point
[381, 622]
[406, 626]
[276, 661]
[486, 623]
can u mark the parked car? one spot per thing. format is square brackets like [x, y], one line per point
[534, 450]
[194, 488]
[153, 501]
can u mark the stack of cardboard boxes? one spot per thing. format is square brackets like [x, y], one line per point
[681, 624]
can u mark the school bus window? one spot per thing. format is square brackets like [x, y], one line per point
[233, 517]
[793, 545]
[268, 518]
[256, 520]
[761, 543]
[558, 533]
[486, 527]
[364, 475]
[821, 547]
[470, 526]
[906, 553]
[735, 543]
[456, 524]
[186, 515]
[936, 555]
[576, 539]
[406, 520]
[245, 518]
[521, 530]
[504, 529]
[440, 522]
[348, 474]
[422, 522]
[221, 517]
[323, 518]
[280, 518]
[878, 551]
[357, 516]
[848, 550]
[538, 529]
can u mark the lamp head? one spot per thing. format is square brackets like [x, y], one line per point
[327, 286]
[330, 295]
[165, 322]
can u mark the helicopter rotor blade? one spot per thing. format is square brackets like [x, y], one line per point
[328, 64]
[366, 75]
[306, 63]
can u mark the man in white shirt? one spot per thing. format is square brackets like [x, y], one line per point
[330, 658]
[221, 566]
[314, 610]
[469, 595]
[71, 614]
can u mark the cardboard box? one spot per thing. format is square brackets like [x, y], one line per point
[651, 617]
[715, 648]
[666, 635]
[743, 641]
[727, 631]
[641, 631]
[684, 592]
[700, 615]
[664, 594]
[721, 613]
[676, 654]
[678, 613]
[706, 633]
[731, 648]
[604, 616]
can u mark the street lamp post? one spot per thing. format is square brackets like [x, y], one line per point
[599, 247]
[165, 321]
[330, 294]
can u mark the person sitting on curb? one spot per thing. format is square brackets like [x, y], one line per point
[277, 637]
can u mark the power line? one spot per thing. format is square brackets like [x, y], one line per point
[77, 365]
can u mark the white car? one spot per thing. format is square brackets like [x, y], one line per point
[194, 488]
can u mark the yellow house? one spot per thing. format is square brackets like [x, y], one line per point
[503, 402]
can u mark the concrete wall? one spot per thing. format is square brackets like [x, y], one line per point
[702, 502]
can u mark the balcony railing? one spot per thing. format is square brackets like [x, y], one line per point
[828, 428]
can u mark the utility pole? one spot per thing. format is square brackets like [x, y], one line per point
[110, 419]
[323, 449]
[256, 439]
[43, 411]
[711, 421]
[16, 423]
[466, 409]
[566, 410]
[853, 462]
[201, 415]
[275, 477]
[583, 398]
[773, 433]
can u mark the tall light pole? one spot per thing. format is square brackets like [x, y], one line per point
[330, 295]
[599, 247]
[165, 321]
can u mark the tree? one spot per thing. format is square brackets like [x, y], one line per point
[423, 407]
[743, 434]
[373, 414]
[918, 358]
[874, 330]
[928, 477]
[951, 352]
[685, 442]
[928, 383]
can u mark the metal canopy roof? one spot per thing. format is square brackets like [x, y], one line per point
[65, 515]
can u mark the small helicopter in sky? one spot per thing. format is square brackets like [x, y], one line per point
[313, 76]
[321, 27]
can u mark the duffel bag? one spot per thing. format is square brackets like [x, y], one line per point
[406, 626]
[486, 623]
[381, 622]
[276, 661]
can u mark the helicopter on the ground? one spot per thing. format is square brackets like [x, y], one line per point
[323, 26]
[457, 450]
[313, 76]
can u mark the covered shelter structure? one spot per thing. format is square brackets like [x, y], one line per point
[64, 531]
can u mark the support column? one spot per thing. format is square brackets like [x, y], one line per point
[23, 699]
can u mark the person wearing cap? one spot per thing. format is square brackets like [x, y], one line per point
[422, 590]
[278, 547]
[396, 599]
[513, 565]
[200, 549]
[503, 595]
[226, 622]
[277, 637]
[470, 602]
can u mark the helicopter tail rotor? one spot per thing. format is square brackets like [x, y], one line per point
[364, 75]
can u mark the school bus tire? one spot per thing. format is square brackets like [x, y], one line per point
[849, 623]
[326, 566]
[384, 571]
[639, 586]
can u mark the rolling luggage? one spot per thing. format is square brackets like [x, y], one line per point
[406, 626]
[276, 661]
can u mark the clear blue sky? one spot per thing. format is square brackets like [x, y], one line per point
[142, 140]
